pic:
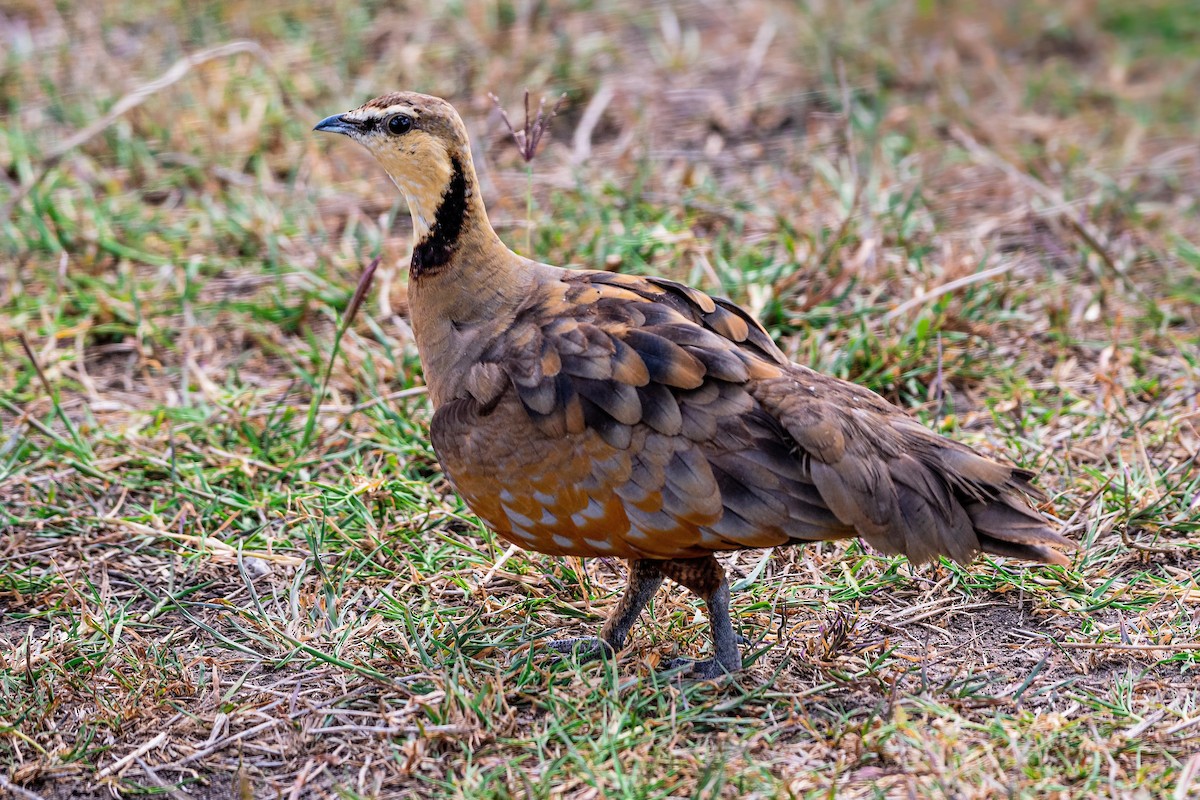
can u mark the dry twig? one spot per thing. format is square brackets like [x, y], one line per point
[177, 72]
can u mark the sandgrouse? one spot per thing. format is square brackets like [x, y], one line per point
[591, 413]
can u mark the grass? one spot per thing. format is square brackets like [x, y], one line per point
[203, 591]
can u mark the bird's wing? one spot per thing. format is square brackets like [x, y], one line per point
[610, 351]
[629, 416]
[678, 414]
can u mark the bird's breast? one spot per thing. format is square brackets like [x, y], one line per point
[567, 495]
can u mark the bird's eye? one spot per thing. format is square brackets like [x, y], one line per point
[399, 124]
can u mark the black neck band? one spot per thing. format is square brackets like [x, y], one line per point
[434, 251]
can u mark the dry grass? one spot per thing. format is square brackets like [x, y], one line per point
[990, 216]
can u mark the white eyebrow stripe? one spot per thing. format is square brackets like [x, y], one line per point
[400, 109]
[380, 113]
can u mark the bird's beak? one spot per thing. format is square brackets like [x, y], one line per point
[336, 124]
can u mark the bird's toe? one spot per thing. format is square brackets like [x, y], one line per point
[583, 649]
[692, 670]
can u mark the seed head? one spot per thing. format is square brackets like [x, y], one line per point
[530, 135]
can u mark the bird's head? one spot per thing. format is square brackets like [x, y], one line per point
[422, 144]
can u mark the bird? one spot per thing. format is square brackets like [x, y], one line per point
[592, 413]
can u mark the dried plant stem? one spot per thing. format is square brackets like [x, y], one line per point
[18, 791]
[130, 101]
[360, 293]
[951, 286]
[527, 138]
[80, 448]
[528, 210]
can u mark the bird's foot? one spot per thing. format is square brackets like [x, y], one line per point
[583, 648]
[707, 670]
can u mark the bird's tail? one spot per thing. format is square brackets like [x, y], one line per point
[1008, 526]
[905, 489]
[996, 501]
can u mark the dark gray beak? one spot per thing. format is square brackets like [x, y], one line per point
[336, 124]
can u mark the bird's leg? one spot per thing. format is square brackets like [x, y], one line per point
[644, 580]
[706, 578]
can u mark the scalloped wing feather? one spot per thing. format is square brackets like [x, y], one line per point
[649, 420]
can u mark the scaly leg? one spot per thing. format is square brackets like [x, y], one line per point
[705, 577]
[644, 580]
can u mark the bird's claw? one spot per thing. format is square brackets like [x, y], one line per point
[583, 648]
